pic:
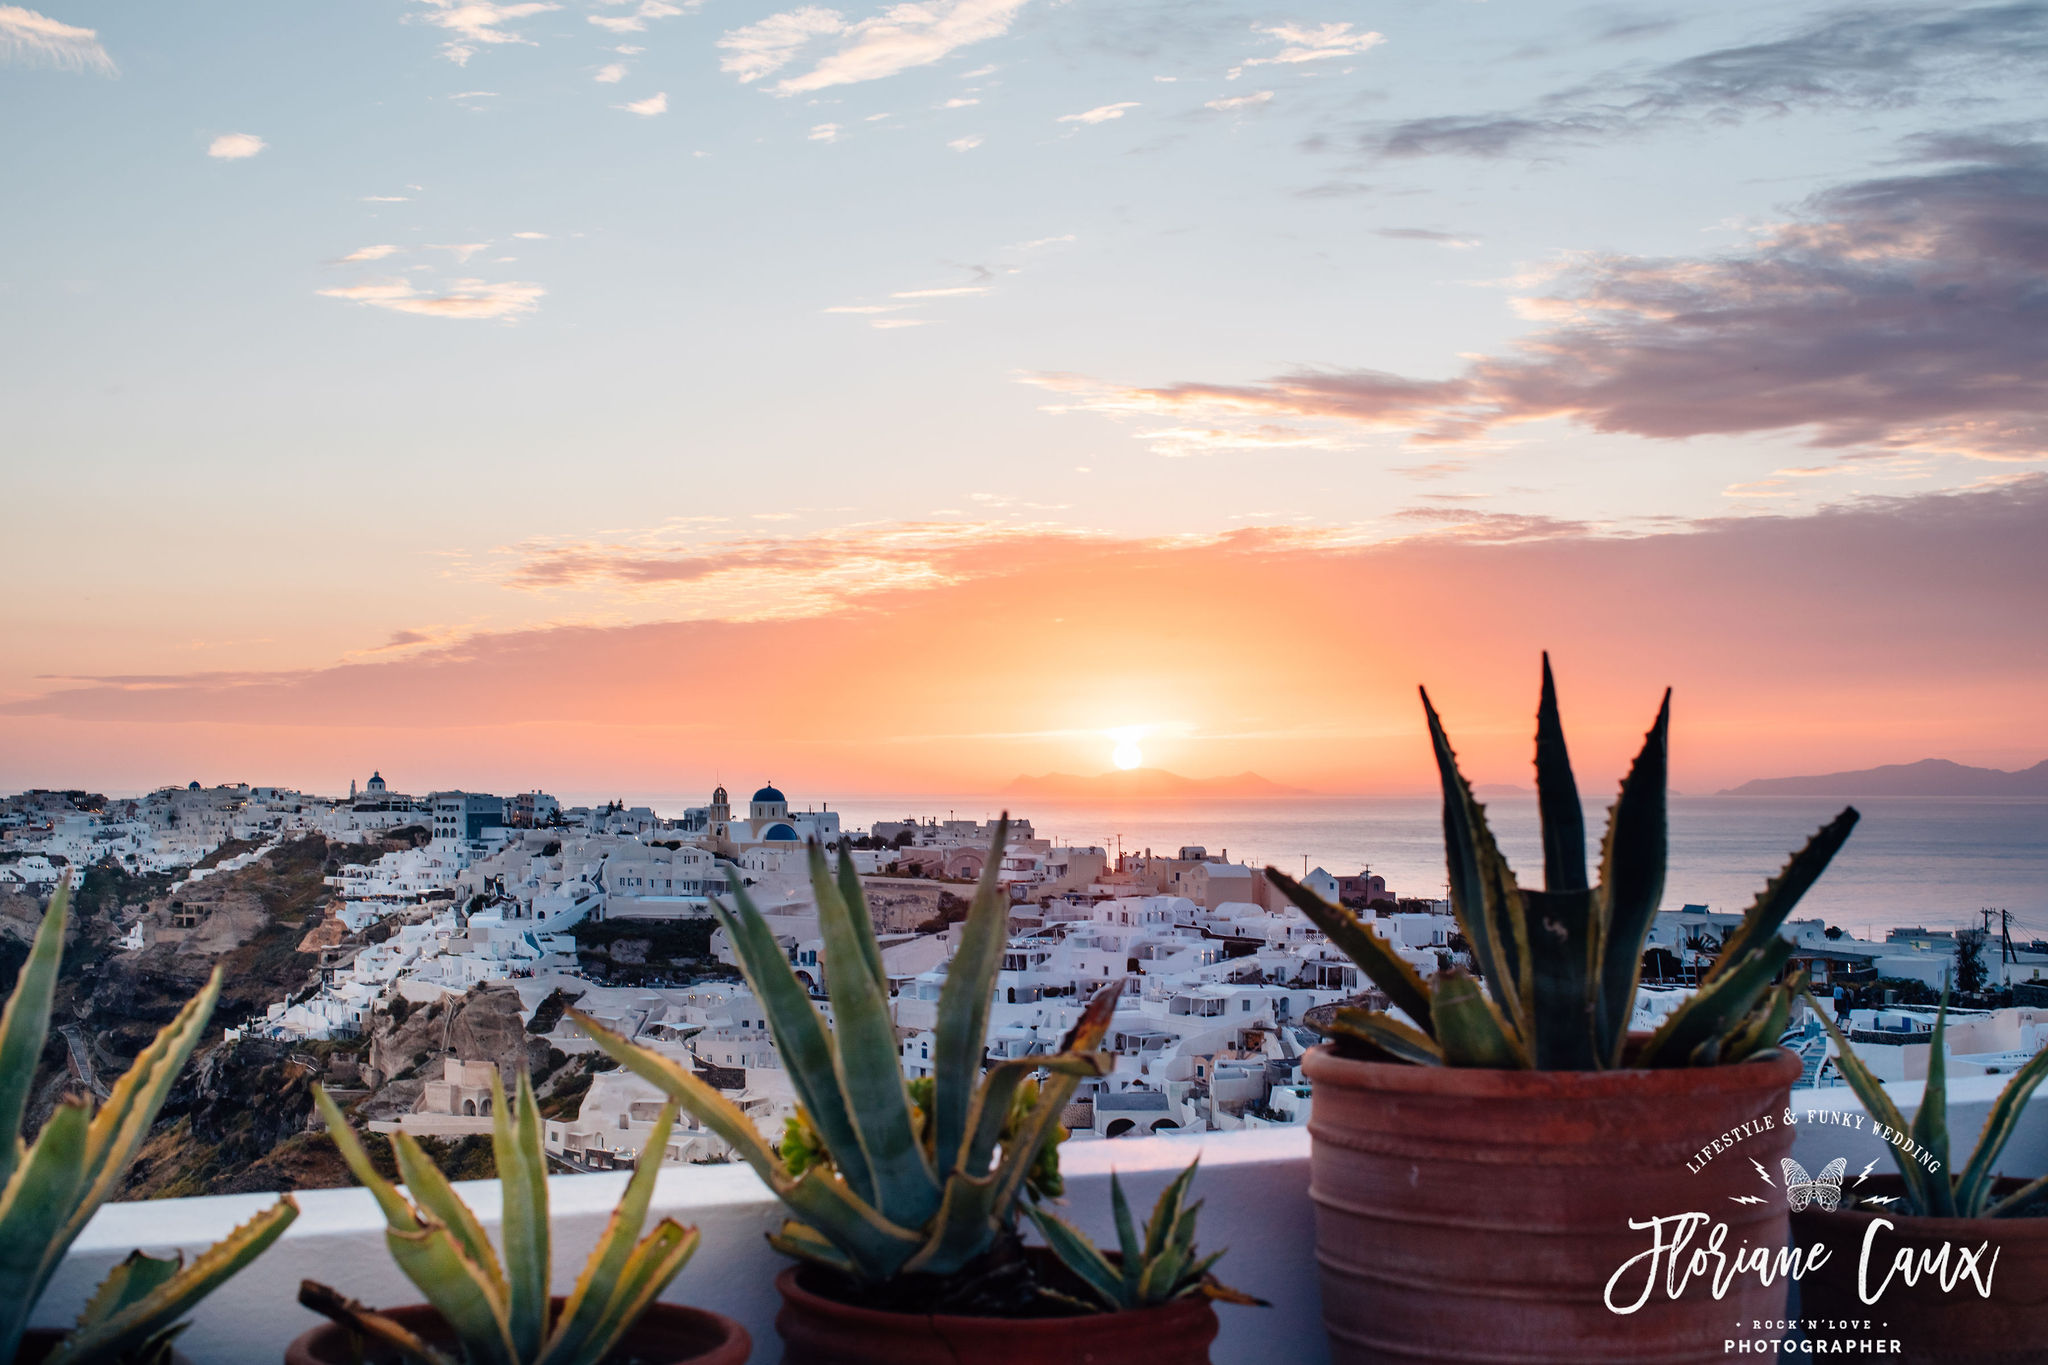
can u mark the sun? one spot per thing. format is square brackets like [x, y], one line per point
[1126, 755]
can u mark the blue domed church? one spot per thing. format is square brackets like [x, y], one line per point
[769, 821]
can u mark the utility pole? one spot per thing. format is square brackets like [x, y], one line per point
[2005, 953]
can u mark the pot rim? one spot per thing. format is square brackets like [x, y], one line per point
[1763, 1072]
[735, 1332]
[795, 1294]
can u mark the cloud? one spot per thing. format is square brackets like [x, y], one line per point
[462, 251]
[1902, 313]
[370, 253]
[1300, 43]
[531, 236]
[952, 291]
[469, 300]
[387, 199]
[647, 108]
[610, 75]
[636, 22]
[235, 146]
[825, 132]
[1462, 605]
[968, 143]
[958, 103]
[1412, 234]
[38, 40]
[1231, 104]
[896, 40]
[1861, 58]
[1102, 113]
[477, 24]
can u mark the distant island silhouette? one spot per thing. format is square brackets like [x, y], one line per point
[1150, 784]
[1928, 777]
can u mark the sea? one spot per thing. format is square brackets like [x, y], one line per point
[1934, 862]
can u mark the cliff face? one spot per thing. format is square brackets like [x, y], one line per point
[482, 1026]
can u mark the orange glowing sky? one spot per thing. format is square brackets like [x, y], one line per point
[558, 396]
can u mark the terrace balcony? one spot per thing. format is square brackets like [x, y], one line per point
[1255, 1184]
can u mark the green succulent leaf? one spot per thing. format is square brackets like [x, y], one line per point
[1717, 1009]
[1877, 1102]
[802, 1041]
[432, 1193]
[1483, 891]
[33, 1210]
[583, 1313]
[1557, 797]
[432, 1260]
[1773, 905]
[1469, 1030]
[1354, 938]
[1383, 1031]
[25, 1025]
[869, 1064]
[1078, 1254]
[397, 1212]
[1633, 853]
[154, 1297]
[1973, 1191]
[960, 1037]
[658, 1258]
[1562, 946]
[523, 1177]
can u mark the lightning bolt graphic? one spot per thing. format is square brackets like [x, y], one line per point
[1764, 1173]
[1745, 1199]
[1864, 1174]
[1882, 1199]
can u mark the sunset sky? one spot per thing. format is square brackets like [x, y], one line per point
[618, 394]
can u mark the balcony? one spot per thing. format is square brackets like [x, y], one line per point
[1255, 1184]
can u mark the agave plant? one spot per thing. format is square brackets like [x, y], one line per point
[1558, 968]
[1159, 1269]
[1944, 1191]
[880, 1181]
[52, 1188]
[501, 1311]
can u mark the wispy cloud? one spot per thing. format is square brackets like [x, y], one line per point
[1300, 43]
[467, 300]
[1889, 315]
[371, 253]
[1231, 104]
[647, 108]
[896, 40]
[477, 24]
[1850, 58]
[235, 146]
[1102, 113]
[610, 75]
[38, 40]
[462, 251]
[968, 143]
[636, 20]
[1415, 234]
[825, 132]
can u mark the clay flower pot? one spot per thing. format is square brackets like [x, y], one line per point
[667, 1334]
[820, 1331]
[1959, 1327]
[1477, 1215]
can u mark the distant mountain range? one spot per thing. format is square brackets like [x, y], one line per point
[1145, 784]
[1928, 777]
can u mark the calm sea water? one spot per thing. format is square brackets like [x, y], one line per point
[1910, 861]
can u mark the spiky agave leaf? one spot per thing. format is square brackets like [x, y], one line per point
[25, 1025]
[1353, 937]
[1877, 1102]
[1973, 1189]
[33, 1211]
[151, 1299]
[1930, 1121]
[1633, 853]
[583, 1313]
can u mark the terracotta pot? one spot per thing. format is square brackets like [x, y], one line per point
[820, 1331]
[38, 1342]
[1469, 1215]
[1960, 1327]
[667, 1334]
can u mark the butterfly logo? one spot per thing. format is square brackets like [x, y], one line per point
[1824, 1189]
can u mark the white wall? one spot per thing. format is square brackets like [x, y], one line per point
[1255, 1185]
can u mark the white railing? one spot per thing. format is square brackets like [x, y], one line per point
[1255, 1185]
